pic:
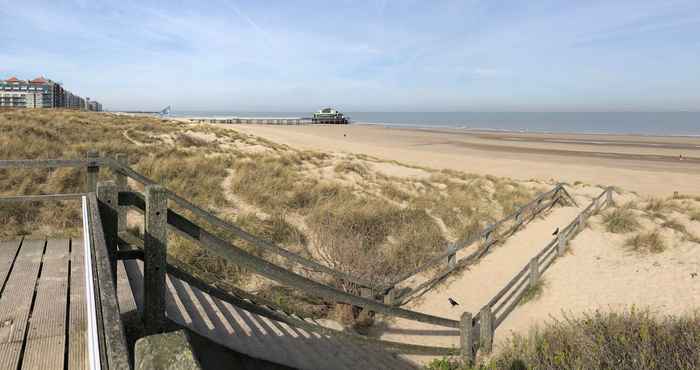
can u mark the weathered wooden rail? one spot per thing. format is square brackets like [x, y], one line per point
[447, 262]
[494, 312]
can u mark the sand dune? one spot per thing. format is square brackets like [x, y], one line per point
[646, 164]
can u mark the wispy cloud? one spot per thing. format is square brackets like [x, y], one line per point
[378, 55]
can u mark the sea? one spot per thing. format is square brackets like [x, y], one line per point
[640, 123]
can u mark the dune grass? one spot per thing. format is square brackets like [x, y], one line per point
[631, 339]
[646, 242]
[695, 215]
[621, 220]
[533, 292]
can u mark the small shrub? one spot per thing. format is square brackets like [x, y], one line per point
[350, 166]
[445, 363]
[646, 242]
[629, 340]
[532, 293]
[657, 205]
[620, 220]
[695, 215]
[675, 225]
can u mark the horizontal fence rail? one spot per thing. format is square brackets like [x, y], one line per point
[238, 256]
[271, 310]
[40, 197]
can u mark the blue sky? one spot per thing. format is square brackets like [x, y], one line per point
[362, 55]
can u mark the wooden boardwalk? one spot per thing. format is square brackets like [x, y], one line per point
[42, 305]
[258, 336]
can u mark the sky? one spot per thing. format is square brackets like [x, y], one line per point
[296, 56]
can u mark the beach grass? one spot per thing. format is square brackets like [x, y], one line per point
[342, 210]
[632, 339]
[621, 220]
[646, 242]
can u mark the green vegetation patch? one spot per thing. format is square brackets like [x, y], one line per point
[646, 242]
[621, 220]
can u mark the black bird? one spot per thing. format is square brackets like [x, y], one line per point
[452, 302]
[556, 232]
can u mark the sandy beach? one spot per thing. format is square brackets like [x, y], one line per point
[649, 165]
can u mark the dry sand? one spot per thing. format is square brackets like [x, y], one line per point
[649, 165]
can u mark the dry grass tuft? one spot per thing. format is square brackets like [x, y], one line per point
[628, 340]
[534, 292]
[695, 215]
[621, 220]
[646, 242]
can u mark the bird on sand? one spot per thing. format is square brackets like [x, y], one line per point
[693, 274]
[452, 302]
[556, 232]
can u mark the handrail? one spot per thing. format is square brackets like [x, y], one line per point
[51, 163]
[117, 354]
[235, 255]
[40, 197]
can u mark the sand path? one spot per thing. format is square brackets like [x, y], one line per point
[476, 286]
[602, 274]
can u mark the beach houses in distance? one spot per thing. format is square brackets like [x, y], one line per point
[41, 93]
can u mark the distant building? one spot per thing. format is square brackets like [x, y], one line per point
[39, 93]
[329, 116]
[94, 106]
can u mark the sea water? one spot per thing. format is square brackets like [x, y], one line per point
[644, 123]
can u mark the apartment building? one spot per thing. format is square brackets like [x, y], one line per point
[40, 93]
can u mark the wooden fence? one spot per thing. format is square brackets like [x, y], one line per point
[447, 262]
[493, 313]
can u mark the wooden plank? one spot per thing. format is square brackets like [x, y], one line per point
[50, 163]
[41, 197]
[16, 302]
[77, 322]
[46, 339]
[8, 253]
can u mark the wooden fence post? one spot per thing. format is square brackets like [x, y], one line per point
[466, 337]
[154, 263]
[93, 171]
[534, 271]
[451, 258]
[561, 243]
[369, 294]
[390, 297]
[609, 197]
[107, 196]
[486, 332]
[122, 185]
